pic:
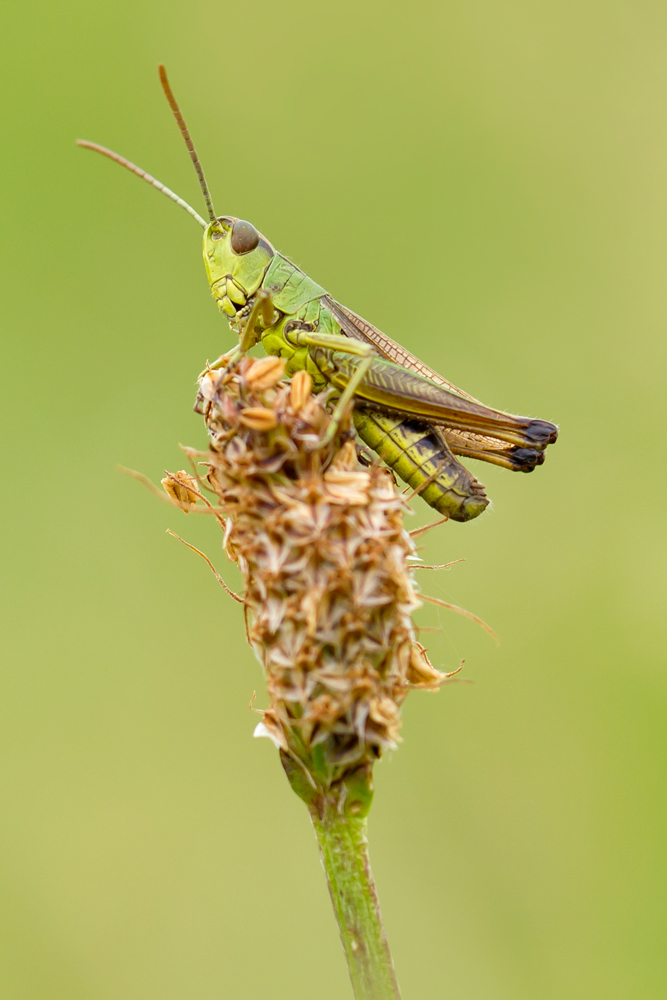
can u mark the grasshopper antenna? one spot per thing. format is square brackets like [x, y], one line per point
[144, 176]
[188, 142]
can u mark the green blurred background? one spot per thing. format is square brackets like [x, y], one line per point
[487, 182]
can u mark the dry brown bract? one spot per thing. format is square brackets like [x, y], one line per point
[181, 487]
[323, 551]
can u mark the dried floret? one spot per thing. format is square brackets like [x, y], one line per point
[265, 373]
[181, 487]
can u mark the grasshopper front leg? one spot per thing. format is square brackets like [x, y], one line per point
[262, 310]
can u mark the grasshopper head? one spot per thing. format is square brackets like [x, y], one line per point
[236, 257]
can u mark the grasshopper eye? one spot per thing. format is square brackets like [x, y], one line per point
[244, 237]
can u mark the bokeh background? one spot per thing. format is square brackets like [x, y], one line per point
[487, 182]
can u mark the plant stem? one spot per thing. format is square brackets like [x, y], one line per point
[344, 852]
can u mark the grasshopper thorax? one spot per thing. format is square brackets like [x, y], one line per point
[236, 257]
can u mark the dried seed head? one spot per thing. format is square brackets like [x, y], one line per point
[329, 588]
[346, 459]
[343, 486]
[265, 373]
[181, 487]
[300, 390]
[207, 385]
[421, 673]
[258, 418]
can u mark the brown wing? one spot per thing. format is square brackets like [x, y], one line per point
[387, 385]
[462, 442]
[360, 329]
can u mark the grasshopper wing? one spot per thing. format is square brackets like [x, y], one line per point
[360, 329]
[388, 386]
[463, 441]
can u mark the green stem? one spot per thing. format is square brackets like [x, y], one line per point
[344, 853]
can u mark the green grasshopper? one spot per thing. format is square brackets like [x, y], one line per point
[414, 419]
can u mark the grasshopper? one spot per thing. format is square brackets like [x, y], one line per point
[413, 418]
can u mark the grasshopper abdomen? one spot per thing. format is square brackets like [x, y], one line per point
[421, 459]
